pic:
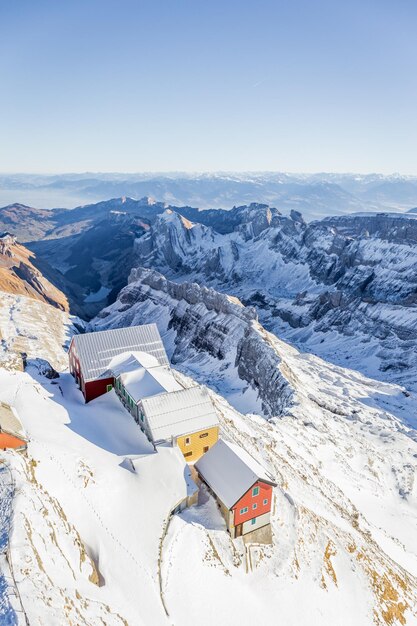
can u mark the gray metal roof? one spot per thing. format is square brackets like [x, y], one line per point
[179, 413]
[96, 350]
[230, 471]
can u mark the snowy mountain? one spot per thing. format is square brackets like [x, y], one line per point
[332, 419]
[344, 288]
[86, 530]
[92, 541]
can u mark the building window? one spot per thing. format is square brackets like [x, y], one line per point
[203, 435]
[205, 449]
[255, 491]
[188, 453]
[187, 441]
[265, 501]
[243, 511]
[253, 521]
[109, 387]
[254, 506]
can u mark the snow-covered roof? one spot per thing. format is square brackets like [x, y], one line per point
[9, 421]
[130, 361]
[230, 471]
[179, 413]
[142, 382]
[96, 350]
[142, 375]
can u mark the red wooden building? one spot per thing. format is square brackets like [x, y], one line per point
[90, 355]
[241, 486]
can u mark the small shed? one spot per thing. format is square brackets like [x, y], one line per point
[241, 486]
[12, 435]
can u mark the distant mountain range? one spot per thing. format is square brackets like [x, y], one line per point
[315, 195]
[343, 287]
[279, 318]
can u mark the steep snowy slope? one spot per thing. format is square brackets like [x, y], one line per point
[346, 293]
[344, 452]
[32, 328]
[342, 448]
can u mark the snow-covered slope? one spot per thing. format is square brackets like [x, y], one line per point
[32, 328]
[344, 288]
[342, 448]
[212, 335]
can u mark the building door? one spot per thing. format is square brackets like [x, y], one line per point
[238, 530]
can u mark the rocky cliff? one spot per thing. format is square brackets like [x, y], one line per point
[345, 288]
[18, 274]
[210, 334]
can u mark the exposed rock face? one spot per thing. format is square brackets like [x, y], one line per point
[18, 275]
[351, 279]
[200, 325]
[344, 287]
[43, 367]
[385, 226]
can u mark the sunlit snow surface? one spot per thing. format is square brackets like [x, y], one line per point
[344, 519]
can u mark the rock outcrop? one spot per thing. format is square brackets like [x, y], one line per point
[202, 327]
[18, 274]
[328, 286]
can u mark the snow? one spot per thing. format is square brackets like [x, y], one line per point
[130, 361]
[343, 522]
[145, 383]
[35, 328]
[142, 375]
[120, 516]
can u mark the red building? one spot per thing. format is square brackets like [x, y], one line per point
[91, 353]
[241, 486]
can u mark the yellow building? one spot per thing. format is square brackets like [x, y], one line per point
[185, 418]
[165, 410]
[194, 445]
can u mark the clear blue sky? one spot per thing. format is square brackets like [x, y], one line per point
[153, 85]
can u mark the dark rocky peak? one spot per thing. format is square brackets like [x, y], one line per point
[296, 216]
[393, 227]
